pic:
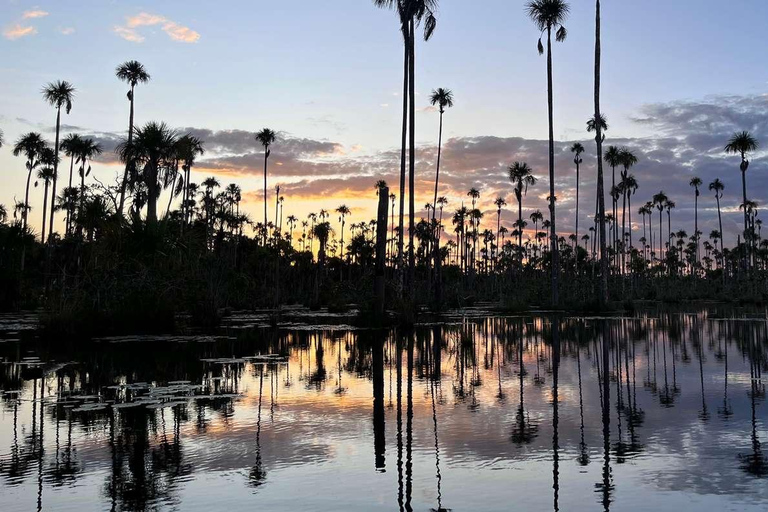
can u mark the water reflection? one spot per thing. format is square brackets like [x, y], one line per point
[544, 412]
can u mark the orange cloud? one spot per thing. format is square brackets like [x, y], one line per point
[175, 31]
[17, 31]
[35, 13]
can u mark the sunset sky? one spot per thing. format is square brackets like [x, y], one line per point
[678, 78]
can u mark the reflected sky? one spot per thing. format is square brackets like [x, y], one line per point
[661, 411]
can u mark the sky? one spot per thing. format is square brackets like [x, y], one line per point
[678, 79]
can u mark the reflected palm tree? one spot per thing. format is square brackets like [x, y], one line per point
[258, 475]
[524, 431]
[583, 457]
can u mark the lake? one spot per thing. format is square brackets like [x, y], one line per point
[660, 410]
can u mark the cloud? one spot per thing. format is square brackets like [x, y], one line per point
[688, 141]
[34, 13]
[17, 31]
[67, 31]
[174, 30]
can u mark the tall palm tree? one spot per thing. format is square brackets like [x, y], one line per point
[696, 183]
[717, 187]
[266, 138]
[46, 173]
[630, 188]
[152, 151]
[70, 145]
[743, 143]
[627, 159]
[577, 149]
[500, 203]
[31, 146]
[521, 176]
[599, 124]
[613, 158]
[343, 211]
[473, 194]
[86, 151]
[58, 94]
[133, 73]
[410, 13]
[669, 205]
[549, 15]
[188, 148]
[660, 201]
[443, 98]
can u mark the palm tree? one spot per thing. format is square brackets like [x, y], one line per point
[549, 15]
[266, 138]
[57, 94]
[343, 211]
[152, 151]
[743, 143]
[630, 188]
[474, 194]
[599, 124]
[133, 73]
[717, 187]
[410, 13]
[669, 205]
[70, 145]
[577, 149]
[520, 174]
[46, 173]
[86, 151]
[500, 203]
[627, 159]
[188, 148]
[660, 200]
[3, 214]
[443, 98]
[696, 183]
[31, 146]
[613, 158]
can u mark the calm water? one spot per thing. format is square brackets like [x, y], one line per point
[661, 411]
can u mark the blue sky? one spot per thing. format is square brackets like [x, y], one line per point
[331, 71]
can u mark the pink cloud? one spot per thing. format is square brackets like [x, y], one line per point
[174, 30]
[17, 31]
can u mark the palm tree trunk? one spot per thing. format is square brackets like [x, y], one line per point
[555, 262]
[45, 208]
[696, 226]
[720, 221]
[81, 210]
[55, 176]
[603, 292]
[520, 227]
[623, 234]
[152, 192]
[747, 242]
[577, 211]
[69, 211]
[127, 165]
[437, 172]
[403, 154]
[412, 158]
[661, 235]
[170, 198]
[266, 157]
